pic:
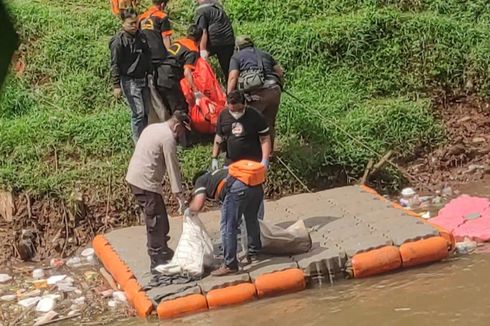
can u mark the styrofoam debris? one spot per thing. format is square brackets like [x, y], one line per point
[79, 301]
[29, 302]
[38, 274]
[46, 304]
[426, 215]
[112, 303]
[88, 252]
[119, 296]
[8, 298]
[46, 318]
[55, 279]
[5, 278]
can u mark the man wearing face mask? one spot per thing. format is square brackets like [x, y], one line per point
[154, 154]
[245, 132]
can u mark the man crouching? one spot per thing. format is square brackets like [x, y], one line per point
[239, 188]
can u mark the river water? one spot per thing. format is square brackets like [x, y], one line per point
[453, 292]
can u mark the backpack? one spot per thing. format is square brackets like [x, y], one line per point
[253, 78]
[249, 172]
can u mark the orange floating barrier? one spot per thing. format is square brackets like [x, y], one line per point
[193, 303]
[231, 295]
[423, 251]
[132, 288]
[288, 281]
[376, 261]
[142, 304]
[451, 242]
[99, 243]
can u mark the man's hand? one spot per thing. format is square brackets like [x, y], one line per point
[204, 54]
[214, 164]
[117, 92]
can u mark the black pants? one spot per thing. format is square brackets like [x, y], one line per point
[156, 220]
[224, 54]
[173, 98]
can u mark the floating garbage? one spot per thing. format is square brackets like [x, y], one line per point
[79, 301]
[119, 296]
[38, 274]
[426, 215]
[112, 303]
[29, 302]
[55, 279]
[5, 278]
[8, 298]
[466, 246]
[46, 304]
[56, 262]
[40, 284]
[410, 199]
[45, 318]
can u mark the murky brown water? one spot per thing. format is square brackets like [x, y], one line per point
[453, 292]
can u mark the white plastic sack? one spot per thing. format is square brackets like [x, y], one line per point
[194, 251]
[279, 241]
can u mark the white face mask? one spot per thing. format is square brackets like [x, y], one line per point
[237, 115]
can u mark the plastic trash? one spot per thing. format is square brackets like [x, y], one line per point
[107, 293]
[46, 304]
[447, 191]
[38, 274]
[29, 302]
[119, 296]
[466, 246]
[40, 284]
[410, 199]
[426, 215]
[79, 301]
[56, 262]
[45, 318]
[8, 298]
[5, 278]
[408, 193]
[55, 279]
[74, 262]
[112, 303]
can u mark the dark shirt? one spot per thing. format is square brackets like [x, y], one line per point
[130, 56]
[154, 24]
[208, 184]
[213, 18]
[242, 135]
[182, 53]
[246, 59]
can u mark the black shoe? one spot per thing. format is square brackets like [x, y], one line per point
[161, 258]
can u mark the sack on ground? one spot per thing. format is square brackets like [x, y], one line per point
[280, 241]
[194, 251]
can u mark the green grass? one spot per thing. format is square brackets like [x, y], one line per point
[368, 68]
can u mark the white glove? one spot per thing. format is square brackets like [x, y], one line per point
[182, 204]
[214, 164]
[204, 54]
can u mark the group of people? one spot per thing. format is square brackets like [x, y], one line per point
[146, 67]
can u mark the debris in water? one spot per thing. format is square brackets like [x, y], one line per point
[38, 274]
[8, 298]
[55, 279]
[29, 302]
[46, 304]
[44, 319]
[5, 278]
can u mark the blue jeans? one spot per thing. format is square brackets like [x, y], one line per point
[240, 200]
[138, 96]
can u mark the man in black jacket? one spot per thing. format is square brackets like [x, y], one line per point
[130, 63]
[218, 36]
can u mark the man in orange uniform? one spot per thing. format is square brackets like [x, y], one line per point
[155, 25]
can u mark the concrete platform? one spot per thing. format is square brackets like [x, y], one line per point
[343, 222]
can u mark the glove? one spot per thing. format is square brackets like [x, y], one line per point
[197, 96]
[204, 54]
[265, 163]
[182, 204]
[214, 164]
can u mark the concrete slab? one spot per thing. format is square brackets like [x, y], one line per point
[173, 291]
[320, 261]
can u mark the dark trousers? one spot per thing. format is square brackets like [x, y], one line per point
[224, 54]
[240, 200]
[267, 101]
[173, 98]
[138, 96]
[156, 220]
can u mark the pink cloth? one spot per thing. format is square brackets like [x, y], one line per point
[452, 218]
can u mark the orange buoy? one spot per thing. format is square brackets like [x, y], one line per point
[132, 288]
[99, 243]
[376, 261]
[291, 280]
[231, 295]
[190, 304]
[142, 304]
[451, 242]
[423, 251]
